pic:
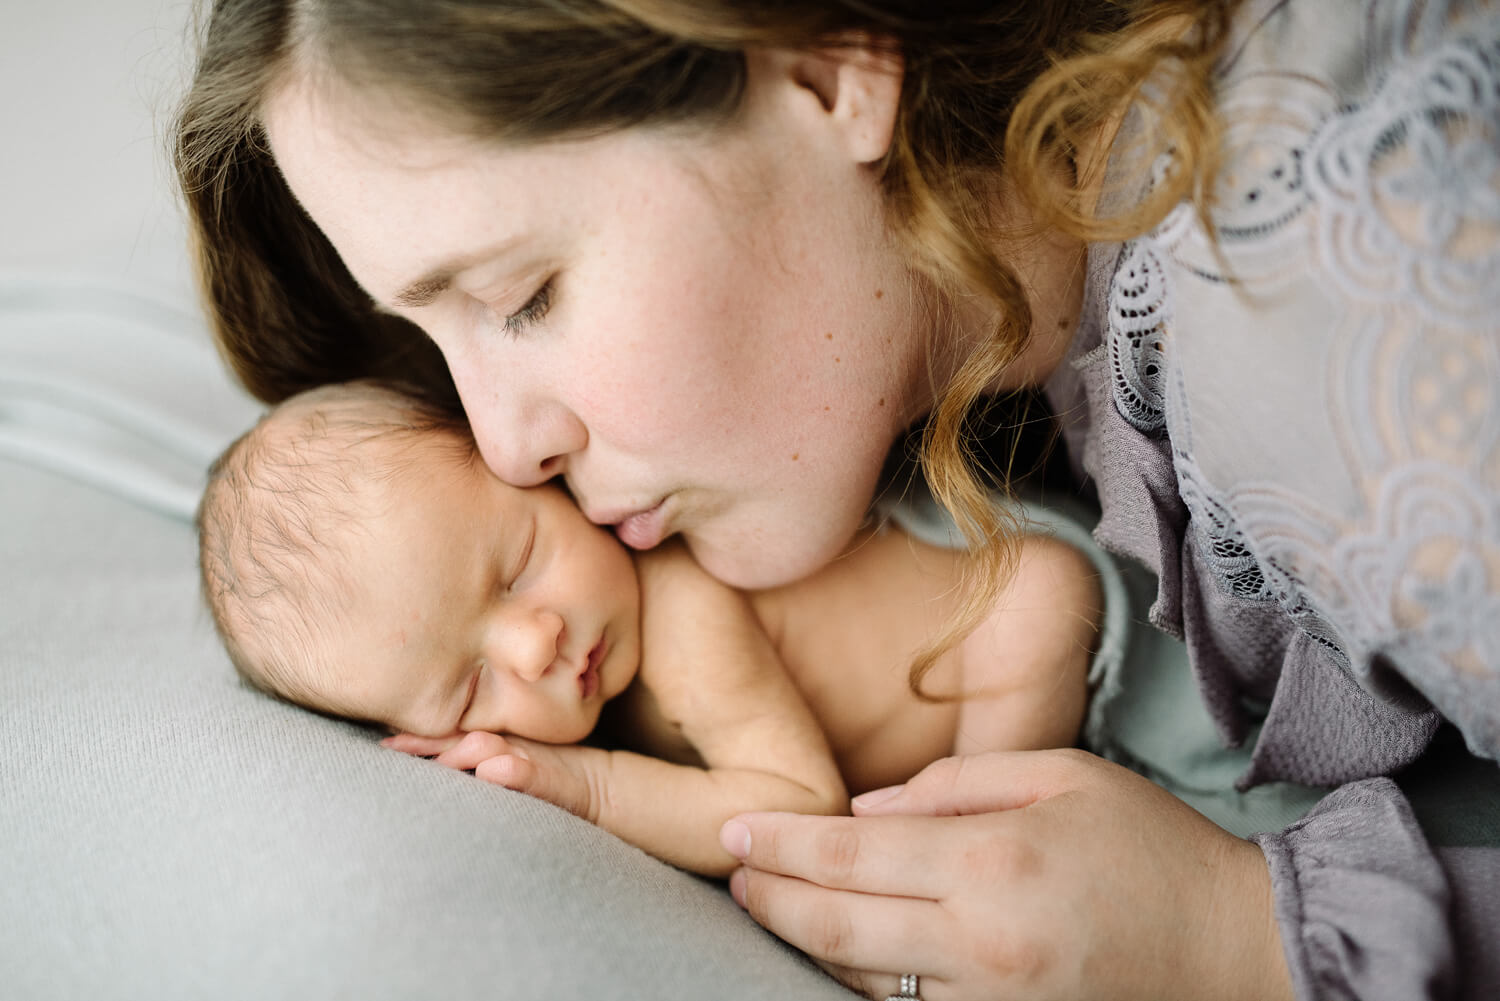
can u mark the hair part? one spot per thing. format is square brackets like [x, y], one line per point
[277, 513]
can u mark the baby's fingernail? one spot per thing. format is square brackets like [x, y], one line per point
[875, 797]
[520, 754]
[737, 886]
[735, 837]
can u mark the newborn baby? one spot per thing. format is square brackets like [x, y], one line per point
[360, 560]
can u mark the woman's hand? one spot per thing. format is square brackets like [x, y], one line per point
[1031, 874]
[559, 773]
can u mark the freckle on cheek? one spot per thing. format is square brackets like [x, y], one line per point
[828, 337]
[879, 292]
[796, 456]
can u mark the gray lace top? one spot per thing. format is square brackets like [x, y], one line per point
[1297, 428]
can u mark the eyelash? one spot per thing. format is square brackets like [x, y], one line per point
[525, 560]
[473, 693]
[530, 314]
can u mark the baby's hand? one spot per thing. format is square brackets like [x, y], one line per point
[560, 774]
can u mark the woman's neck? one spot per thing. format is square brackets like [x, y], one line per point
[1049, 265]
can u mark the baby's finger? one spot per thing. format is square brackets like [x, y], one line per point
[476, 746]
[982, 783]
[422, 747]
[551, 783]
[511, 771]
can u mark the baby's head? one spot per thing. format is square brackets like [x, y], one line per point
[359, 559]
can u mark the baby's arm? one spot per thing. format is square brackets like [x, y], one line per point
[713, 678]
[717, 681]
[1027, 662]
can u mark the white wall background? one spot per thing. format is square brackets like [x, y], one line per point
[86, 90]
[107, 375]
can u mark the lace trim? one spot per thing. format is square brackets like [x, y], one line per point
[1407, 181]
[1235, 567]
[1139, 312]
[1261, 206]
[1395, 202]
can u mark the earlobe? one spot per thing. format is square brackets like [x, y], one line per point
[858, 83]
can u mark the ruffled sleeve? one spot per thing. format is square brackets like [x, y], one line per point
[1362, 903]
[1294, 423]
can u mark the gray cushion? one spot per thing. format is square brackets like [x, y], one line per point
[164, 832]
[169, 833]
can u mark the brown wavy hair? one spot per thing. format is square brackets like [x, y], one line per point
[1016, 87]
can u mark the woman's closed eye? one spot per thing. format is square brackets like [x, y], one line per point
[529, 315]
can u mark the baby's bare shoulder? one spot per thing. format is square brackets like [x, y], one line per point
[1047, 566]
[673, 586]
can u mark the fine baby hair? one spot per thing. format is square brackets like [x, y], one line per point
[281, 504]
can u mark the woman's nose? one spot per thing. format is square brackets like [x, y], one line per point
[525, 445]
[531, 642]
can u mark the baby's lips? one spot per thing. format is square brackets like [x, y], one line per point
[588, 682]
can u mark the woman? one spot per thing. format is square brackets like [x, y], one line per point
[708, 263]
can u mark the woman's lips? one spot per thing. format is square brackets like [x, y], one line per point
[644, 529]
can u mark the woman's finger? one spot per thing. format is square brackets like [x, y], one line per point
[982, 783]
[890, 856]
[879, 986]
[860, 932]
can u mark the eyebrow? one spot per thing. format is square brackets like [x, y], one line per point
[425, 290]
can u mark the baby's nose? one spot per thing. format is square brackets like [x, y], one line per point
[537, 645]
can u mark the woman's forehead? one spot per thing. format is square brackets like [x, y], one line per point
[408, 202]
[379, 123]
[401, 203]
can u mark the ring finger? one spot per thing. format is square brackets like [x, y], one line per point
[858, 931]
[879, 986]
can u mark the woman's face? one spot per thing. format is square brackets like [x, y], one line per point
[705, 333]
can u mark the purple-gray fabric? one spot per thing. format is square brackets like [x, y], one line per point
[1219, 397]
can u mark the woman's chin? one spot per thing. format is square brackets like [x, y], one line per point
[760, 564]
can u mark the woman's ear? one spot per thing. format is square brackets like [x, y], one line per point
[857, 82]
